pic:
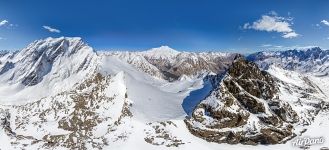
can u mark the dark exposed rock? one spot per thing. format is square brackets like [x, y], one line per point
[256, 82]
[159, 135]
[5, 122]
[284, 111]
[6, 67]
[244, 109]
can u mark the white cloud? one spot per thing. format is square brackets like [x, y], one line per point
[266, 45]
[270, 46]
[325, 22]
[290, 35]
[273, 23]
[3, 22]
[278, 46]
[281, 47]
[50, 29]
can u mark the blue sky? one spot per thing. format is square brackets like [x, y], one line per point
[227, 25]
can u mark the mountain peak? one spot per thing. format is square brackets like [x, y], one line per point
[161, 52]
[309, 48]
[56, 46]
[51, 54]
[163, 48]
[52, 40]
[63, 38]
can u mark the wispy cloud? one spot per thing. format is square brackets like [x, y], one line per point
[266, 45]
[290, 35]
[325, 22]
[270, 46]
[281, 47]
[50, 29]
[271, 22]
[3, 22]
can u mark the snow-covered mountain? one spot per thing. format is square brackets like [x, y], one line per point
[58, 93]
[169, 64]
[312, 63]
[49, 65]
[62, 56]
[251, 106]
[163, 52]
[311, 60]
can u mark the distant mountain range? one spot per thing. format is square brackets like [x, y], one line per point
[312, 60]
[59, 93]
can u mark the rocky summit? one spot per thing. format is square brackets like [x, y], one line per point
[244, 108]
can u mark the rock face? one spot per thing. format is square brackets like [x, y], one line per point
[58, 57]
[243, 108]
[5, 122]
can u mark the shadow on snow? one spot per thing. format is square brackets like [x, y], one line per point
[195, 97]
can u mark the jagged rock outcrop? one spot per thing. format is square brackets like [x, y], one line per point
[5, 121]
[243, 108]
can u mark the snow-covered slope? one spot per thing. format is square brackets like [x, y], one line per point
[85, 117]
[48, 66]
[77, 106]
[58, 93]
[138, 61]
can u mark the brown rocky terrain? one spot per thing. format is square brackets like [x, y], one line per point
[244, 108]
[76, 115]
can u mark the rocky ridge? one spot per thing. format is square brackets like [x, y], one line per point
[246, 108]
